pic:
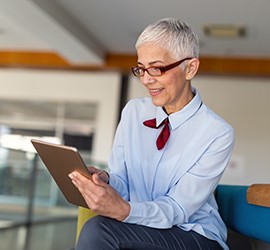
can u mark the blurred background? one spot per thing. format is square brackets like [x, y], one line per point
[65, 77]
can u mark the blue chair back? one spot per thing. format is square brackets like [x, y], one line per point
[250, 220]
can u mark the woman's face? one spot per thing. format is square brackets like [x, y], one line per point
[172, 90]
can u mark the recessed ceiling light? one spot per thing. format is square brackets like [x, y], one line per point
[224, 31]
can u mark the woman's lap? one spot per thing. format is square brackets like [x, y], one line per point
[104, 233]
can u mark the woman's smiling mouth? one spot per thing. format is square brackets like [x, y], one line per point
[155, 91]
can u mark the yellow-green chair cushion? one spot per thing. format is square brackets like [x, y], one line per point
[84, 214]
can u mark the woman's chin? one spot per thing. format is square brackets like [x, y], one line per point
[157, 102]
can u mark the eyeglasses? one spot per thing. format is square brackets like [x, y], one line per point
[156, 71]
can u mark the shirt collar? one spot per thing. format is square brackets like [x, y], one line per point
[178, 118]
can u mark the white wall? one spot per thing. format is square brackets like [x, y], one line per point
[49, 85]
[245, 104]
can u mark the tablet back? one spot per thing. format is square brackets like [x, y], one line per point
[61, 160]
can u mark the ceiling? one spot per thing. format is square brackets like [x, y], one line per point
[84, 31]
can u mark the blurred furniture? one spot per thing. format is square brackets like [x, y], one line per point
[244, 209]
[84, 214]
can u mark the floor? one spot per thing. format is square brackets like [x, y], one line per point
[59, 235]
[42, 228]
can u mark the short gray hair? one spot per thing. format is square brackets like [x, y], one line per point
[174, 35]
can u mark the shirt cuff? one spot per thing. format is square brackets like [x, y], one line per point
[135, 214]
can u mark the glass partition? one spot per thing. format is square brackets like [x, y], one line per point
[14, 187]
[28, 194]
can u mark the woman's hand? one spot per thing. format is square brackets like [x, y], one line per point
[100, 197]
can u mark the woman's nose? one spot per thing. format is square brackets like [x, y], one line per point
[147, 79]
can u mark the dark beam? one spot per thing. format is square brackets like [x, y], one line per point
[119, 62]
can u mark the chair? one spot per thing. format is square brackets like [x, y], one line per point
[84, 214]
[244, 209]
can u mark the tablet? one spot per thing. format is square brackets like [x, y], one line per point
[61, 160]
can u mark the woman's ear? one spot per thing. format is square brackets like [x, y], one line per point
[192, 68]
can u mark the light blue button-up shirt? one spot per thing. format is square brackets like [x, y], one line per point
[173, 186]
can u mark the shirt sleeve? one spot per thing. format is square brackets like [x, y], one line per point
[117, 165]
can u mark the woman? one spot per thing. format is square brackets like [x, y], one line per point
[169, 153]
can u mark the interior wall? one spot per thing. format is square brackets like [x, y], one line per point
[50, 85]
[245, 104]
